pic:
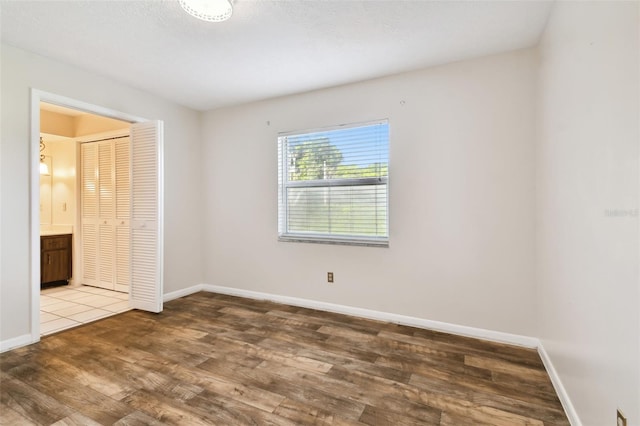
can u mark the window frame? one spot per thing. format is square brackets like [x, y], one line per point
[284, 184]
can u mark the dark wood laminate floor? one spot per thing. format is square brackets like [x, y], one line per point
[215, 359]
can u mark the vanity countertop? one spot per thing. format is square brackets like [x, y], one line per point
[49, 230]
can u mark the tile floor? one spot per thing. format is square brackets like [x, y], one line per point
[66, 307]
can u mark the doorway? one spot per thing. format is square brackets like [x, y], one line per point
[70, 294]
[146, 292]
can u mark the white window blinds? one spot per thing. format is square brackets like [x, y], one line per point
[333, 185]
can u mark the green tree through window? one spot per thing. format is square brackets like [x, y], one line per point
[314, 159]
[333, 185]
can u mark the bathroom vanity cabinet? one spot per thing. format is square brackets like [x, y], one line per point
[55, 259]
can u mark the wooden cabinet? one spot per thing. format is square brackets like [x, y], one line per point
[55, 259]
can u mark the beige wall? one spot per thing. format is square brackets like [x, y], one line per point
[587, 205]
[81, 125]
[46, 216]
[54, 123]
[461, 191]
[63, 189]
[88, 124]
[21, 71]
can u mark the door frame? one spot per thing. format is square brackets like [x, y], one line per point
[38, 96]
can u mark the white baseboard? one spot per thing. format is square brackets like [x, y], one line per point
[16, 342]
[479, 333]
[182, 292]
[569, 409]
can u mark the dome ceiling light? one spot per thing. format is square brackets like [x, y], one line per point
[208, 10]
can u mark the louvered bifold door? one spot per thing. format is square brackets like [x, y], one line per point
[123, 212]
[89, 213]
[146, 216]
[106, 215]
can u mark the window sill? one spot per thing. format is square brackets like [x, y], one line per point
[334, 241]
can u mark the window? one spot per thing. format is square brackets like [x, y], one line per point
[333, 185]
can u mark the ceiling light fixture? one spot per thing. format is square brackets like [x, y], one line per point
[44, 169]
[208, 10]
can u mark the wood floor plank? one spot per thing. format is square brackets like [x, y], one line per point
[343, 360]
[483, 393]
[229, 411]
[300, 391]
[334, 385]
[10, 417]
[304, 414]
[104, 384]
[283, 357]
[30, 403]
[455, 419]
[502, 366]
[311, 340]
[460, 403]
[417, 415]
[419, 341]
[164, 409]
[60, 386]
[219, 359]
[138, 418]
[258, 398]
[76, 419]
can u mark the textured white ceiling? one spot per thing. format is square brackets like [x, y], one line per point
[267, 48]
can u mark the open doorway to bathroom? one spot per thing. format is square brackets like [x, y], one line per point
[83, 179]
[142, 227]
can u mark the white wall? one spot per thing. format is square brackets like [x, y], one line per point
[587, 169]
[21, 71]
[461, 190]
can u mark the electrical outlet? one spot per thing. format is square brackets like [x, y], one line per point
[330, 277]
[621, 420]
